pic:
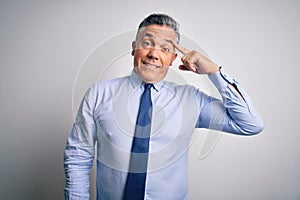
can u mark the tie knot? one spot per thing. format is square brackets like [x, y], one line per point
[148, 86]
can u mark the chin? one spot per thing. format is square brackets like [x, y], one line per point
[148, 79]
[148, 75]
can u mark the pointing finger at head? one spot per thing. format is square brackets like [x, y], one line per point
[181, 49]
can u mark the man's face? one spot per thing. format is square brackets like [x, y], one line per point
[153, 52]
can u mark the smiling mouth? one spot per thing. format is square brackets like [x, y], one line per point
[149, 65]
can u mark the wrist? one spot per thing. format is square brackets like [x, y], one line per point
[214, 69]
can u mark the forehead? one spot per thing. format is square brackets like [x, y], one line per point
[158, 32]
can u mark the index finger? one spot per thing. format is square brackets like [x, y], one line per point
[181, 49]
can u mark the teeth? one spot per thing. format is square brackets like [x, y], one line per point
[150, 65]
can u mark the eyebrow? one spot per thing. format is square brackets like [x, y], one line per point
[152, 36]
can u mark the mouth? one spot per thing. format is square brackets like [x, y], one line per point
[151, 65]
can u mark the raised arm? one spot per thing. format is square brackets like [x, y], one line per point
[236, 113]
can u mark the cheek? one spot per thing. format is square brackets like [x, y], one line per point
[167, 60]
[141, 52]
[137, 57]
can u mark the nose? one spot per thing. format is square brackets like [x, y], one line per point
[153, 54]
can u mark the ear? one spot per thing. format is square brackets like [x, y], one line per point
[133, 45]
[173, 58]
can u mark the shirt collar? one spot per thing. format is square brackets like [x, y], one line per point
[137, 82]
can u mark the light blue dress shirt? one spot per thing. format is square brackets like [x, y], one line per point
[105, 125]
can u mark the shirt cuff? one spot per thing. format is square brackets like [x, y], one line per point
[221, 79]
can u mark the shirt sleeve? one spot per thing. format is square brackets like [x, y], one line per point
[235, 114]
[79, 151]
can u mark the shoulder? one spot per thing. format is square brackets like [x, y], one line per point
[103, 90]
[108, 85]
[181, 88]
[186, 91]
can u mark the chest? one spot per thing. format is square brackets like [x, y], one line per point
[173, 118]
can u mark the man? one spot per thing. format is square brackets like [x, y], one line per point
[112, 115]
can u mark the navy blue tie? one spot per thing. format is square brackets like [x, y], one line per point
[136, 179]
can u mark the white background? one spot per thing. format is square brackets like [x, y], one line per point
[43, 44]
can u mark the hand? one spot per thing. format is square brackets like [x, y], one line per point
[196, 62]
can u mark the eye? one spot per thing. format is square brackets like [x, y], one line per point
[166, 49]
[147, 44]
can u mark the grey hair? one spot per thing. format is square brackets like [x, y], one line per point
[160, 19]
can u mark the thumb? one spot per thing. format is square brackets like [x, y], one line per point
[182, 67]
